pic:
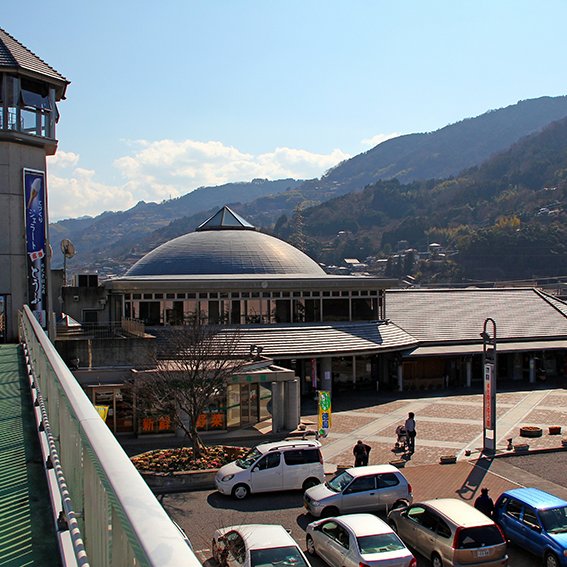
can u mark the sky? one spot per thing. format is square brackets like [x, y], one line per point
[169, 96]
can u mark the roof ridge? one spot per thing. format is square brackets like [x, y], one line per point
[17, 58]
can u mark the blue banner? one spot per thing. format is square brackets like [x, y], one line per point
[35, 214]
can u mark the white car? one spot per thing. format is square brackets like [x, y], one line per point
[357, 539]
[256, 545]
[273, 467]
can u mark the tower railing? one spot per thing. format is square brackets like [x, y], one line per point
[108, 506]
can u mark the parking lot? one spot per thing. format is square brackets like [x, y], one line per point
[446, 424]
[200, 513]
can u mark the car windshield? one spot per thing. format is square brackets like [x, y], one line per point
[289, 555]
[339, 482]
[247, 461]
[380, 543]
[554, 520]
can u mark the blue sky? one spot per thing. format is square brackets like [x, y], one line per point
[169, 96]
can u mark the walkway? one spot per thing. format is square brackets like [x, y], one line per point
[448, 423]
[27, 536]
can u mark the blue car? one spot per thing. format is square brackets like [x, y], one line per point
[535, 520]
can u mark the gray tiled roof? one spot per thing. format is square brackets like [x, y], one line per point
[453, 315]
[14, 55]
[307, 339]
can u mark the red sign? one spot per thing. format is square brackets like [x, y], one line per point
[488, 392]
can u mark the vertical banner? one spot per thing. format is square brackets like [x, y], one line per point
[314, 373]
[324, 413]
[488, 395]
[36, 230]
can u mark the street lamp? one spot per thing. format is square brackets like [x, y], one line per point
[489, 381]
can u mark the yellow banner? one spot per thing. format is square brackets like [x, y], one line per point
[324, 412]
[102, 411]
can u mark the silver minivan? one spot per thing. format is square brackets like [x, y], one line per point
[449, 531]
[271, 467]
[359, 489]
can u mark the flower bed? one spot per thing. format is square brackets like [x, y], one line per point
[182, 459]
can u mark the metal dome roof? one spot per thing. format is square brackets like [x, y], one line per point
[219, 249]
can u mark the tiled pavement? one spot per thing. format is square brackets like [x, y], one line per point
[446, 423]
[450, 424]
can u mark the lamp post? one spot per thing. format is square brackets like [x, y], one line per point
[489, 381]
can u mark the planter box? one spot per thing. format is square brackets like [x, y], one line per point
[531, 431]
[448, 459]
[180, 481]
[555, 429]
[564, 442]
[521, 448]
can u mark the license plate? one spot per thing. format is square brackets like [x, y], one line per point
[483, 553]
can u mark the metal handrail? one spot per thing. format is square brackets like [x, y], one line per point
[130, 527]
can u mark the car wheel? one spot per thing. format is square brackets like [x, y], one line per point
[310, 546]
[310, 482]
[329, 511]
[436, 561]
[240, 491]
[551, 560]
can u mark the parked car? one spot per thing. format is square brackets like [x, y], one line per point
[449, 531]
[284, 465]
[359, 489]
[535, 520]
[255, 545]
[357, 539]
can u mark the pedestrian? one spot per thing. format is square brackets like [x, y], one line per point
[410, 431]
[484, 503]
[361, 453]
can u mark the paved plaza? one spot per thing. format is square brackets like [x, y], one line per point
[447, 423]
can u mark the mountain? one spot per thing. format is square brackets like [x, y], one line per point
[103, 239]
[503, 219]
[445, 152]
[113, 241]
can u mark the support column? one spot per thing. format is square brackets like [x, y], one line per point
[400, 377]
[517, 368]
[532, 370]
[354, 371]
[278, 407]
[292, 411]
[326, 379]
[469, 372]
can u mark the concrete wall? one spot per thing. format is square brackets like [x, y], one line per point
[14, 157]
[112, 351]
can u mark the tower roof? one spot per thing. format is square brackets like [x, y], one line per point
[16, 56]
[225, 218]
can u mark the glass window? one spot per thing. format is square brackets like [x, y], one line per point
[312, 310]
[335, 309]
[481, 536]
[415, 513]
[514, 509]
[443, 529]
[362, 309]
[362, 484]
[285, 556]
[270, 461]
[554, 520]
[530, 517]
[380, 543]
[387, 480]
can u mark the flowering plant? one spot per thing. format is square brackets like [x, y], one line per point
[182, 459]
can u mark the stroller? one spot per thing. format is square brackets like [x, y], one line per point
[401, 444]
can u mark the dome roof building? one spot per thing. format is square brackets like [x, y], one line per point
[226, 244]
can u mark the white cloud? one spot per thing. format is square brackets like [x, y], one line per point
[157, 170]
[378, 139]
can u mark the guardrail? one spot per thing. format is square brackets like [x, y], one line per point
[107, 504]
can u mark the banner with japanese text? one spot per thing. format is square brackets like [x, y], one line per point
[35, 207]
[324, 413]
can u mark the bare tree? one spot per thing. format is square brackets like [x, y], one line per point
[195, 368]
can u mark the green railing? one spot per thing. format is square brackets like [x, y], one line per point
[114, 519]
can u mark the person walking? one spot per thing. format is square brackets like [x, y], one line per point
[484, 503]
[361, 453]
[410, 431]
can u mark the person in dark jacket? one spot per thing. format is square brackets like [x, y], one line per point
[484, 503]
[361, 453]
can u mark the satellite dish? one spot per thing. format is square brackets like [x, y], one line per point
[68, 248]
